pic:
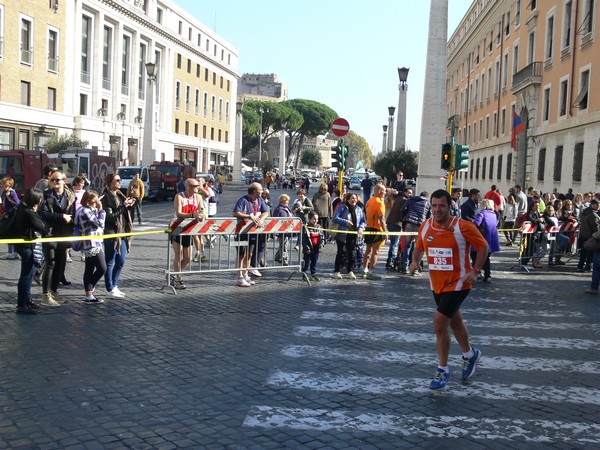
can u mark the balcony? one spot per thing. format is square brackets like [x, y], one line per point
[528, 76]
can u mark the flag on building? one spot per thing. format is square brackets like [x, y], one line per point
[517, 128]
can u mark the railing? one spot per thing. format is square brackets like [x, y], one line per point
[124, 89]
[529, 74]
[26, 56]
[85, 77]
[106, 83]
[53, 65]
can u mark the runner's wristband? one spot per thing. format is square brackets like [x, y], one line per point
[477, 271]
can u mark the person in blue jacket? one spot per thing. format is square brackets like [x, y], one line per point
[349, 219]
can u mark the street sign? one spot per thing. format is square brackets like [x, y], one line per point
[340, 127]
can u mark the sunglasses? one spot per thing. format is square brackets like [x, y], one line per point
[194, 185]
[56, 180]
[118, 180]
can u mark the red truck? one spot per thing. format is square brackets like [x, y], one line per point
[89, 162]
[164, 177]
[23, 166]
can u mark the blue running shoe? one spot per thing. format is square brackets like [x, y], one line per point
[470, 364]
[440, 379]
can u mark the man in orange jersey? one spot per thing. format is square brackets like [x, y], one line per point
[445, 241]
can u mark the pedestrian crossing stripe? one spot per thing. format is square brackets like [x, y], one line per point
[399, 336]
[328, 382]
[520, 363]
[470, 309]
[357, 317]
[502, 429]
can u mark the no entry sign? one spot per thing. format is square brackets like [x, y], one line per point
[340, 127]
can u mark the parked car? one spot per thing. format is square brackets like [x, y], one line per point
[355, 183]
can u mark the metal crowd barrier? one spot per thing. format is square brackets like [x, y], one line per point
[222, 243]
[545, 239]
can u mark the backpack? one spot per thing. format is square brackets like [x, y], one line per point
[76, 246]
[8, 229]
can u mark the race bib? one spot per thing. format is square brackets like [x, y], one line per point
[440, 258]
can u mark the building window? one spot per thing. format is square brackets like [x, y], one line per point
[495, 125]
[499, 171]
[491, 173]
[197, 70]
[178, 61]
[1, 31]
[549, 39]
[203, 131]
[226, 136]
[477, 167]
[195, 130]
[541, 164]
[566, 25]
[107, 58]
[180, 28]
[558, 157]
[531, 48]
[86, 48]
[189, 66]
[487, 127]
[213, 106]
[7, 138]
[188, 98]
[578, 162]
[219, 136]
[187, 128]
[502, 122]
[220, 110]
[83, 100]
[25, 93]
[125, 65]
[177, 94]
[515, 67]
[212, 133]
[471, 168]
[214, 79]
[546, 105]
[176, 125]
[563, 98]
[508, 166]
[23, 139]
[142, 72]
[221, 82]
[505, 74]
[497, 77]
[52, 99]
[205, 74]
[483, 168]
[517, 13]
[489, 83]
[53, 51]
[197, 102]
[26, 41]
[581, 101]
[159, 15]
[588, 14]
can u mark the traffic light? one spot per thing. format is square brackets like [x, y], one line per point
[446, 156]
[337, 156]
[344, 157]
[461, 157]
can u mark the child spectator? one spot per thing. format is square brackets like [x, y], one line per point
[312, 241]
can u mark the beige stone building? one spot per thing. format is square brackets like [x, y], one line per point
[80, 66]
[535, 59]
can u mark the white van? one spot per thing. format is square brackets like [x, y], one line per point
[126, 173]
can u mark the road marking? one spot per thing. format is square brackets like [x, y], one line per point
[542, 431]
[357, 317]
[487, 362]
[399, 336]
[327, 382]
[471, 309]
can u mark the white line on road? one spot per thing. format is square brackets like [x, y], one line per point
[357, 317]
[487, 362]
[542, 431]
[327, 382]
[399, 336]
[418, 305]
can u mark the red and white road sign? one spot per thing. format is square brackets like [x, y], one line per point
[340, 127]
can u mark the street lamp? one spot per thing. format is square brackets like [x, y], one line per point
[384, 145]
[390, 142]
[261, 110]
[401, 119]
[148, 147]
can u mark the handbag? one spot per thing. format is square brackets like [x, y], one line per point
[592, 245]
[7, 225]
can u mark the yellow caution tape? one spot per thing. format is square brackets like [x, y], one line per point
[81, 238]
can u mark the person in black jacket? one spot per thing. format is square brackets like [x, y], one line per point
[27, 220]
[58, 210]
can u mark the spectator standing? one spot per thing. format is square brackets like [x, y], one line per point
[44, 182]
[283, 210]
[58, 210]
[510, 219]
[375, 223]
[589, 221]
[470, 207]
[551, 220]
[399, 184]
[394, 224]
[118, 220]
[416, 210]
[135, 190]
[522, 206]
[455, 206]
[322, 205]
[29, 222]
[187, 205]
[253, 208]
[90, 217]
[367, 186]
[537, 221]
[445, 241]
[487, 222]
[350, 220]
[593, 289]
[312, 242]
[494, 196]
[9, 201]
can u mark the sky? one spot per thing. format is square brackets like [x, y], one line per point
[343, 53]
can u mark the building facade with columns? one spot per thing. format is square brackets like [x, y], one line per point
[80, 65]
[533, 59]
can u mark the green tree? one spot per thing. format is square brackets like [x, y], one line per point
[317, 119]
[61, 142]
[388, 163]
[311, 157]
[358, 150]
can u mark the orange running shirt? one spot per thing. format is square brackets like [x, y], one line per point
[447, 252]
[374, 208]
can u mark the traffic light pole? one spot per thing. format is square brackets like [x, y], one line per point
[451, 169]
[341, 169]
